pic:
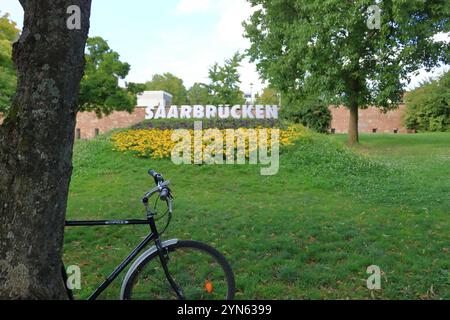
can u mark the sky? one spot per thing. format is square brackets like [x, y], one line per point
[184, 37]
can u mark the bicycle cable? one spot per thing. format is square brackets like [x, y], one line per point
[167, 213]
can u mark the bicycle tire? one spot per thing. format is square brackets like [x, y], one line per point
[151, 263]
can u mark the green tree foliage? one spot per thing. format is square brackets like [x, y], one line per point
[428, 107]
[99, 90]
[269, 96]
[169, 83]
[327, 46]
[198, 94]
[136, 88]
[8, 34]
[225, 82]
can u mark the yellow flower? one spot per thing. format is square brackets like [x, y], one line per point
[158, 144]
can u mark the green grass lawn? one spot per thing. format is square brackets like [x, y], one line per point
[309, 232]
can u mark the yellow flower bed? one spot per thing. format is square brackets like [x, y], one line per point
[158, 144]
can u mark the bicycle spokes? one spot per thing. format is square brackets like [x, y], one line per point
[188, 270]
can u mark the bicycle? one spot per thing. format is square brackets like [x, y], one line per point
[173, 269]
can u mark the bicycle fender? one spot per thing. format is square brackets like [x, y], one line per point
[139, 260]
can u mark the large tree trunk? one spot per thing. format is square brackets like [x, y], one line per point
[353, 132]
[353, 94]
[36, 144]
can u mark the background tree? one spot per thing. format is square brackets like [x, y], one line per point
[100, 91]
[36, 142]
[428, 107]
[269, 96]
[225, 82]
[327, 46]
[198, 94]
[8, 34]
[171, 84]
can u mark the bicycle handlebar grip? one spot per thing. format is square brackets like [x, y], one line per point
[157, 176]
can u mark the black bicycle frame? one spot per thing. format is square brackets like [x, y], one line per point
[153, 236]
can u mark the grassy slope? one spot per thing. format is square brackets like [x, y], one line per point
[309, 232]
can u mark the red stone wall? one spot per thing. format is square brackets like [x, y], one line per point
[88, 123]
[369, 119]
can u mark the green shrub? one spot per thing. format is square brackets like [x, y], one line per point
[428, 107]
[229, 123]
[309, 112]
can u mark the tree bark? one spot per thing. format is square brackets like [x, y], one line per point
[353, 132]
[36, 142]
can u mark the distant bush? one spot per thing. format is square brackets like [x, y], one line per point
[315, 117]
[215, 123]
[428, 107]
[309, 112]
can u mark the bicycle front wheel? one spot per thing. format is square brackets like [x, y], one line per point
[199, 270]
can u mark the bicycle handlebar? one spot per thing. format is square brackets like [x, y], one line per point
[164, 193]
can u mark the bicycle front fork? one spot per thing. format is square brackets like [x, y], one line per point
[164, 258]
[163, 254]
